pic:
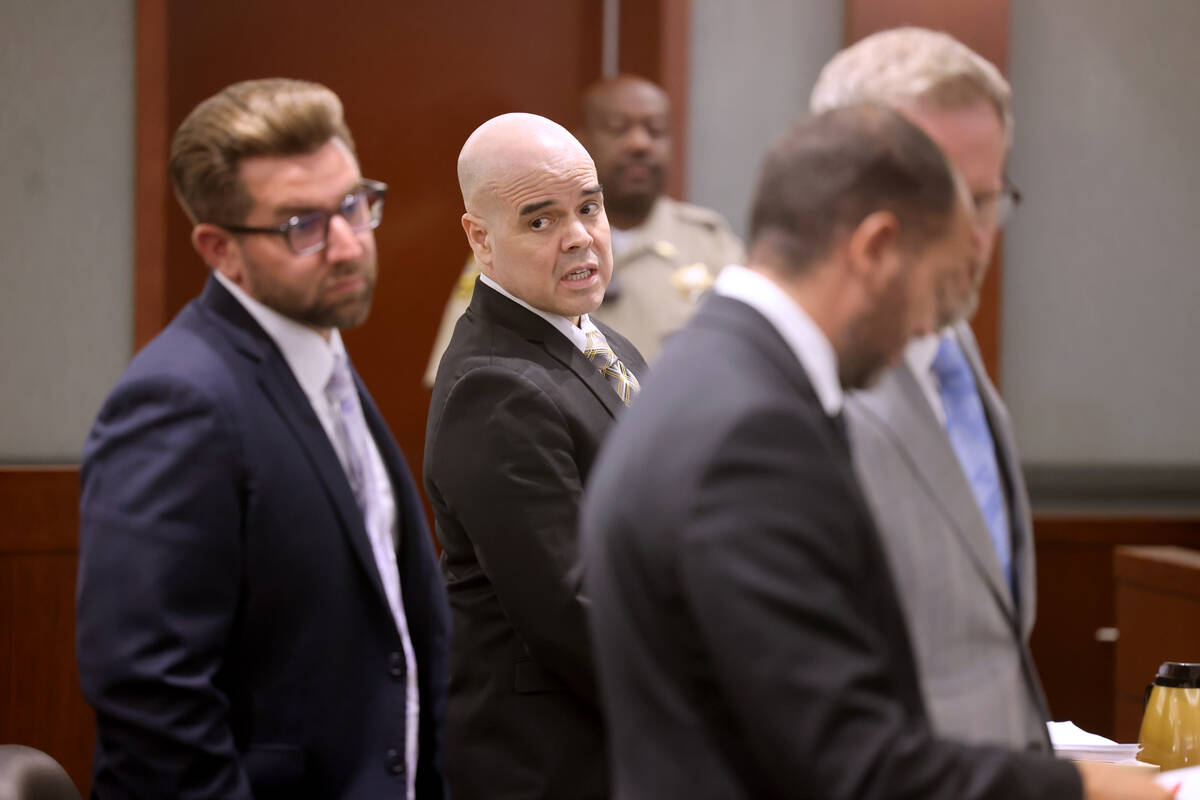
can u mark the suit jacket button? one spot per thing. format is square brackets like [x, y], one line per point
[396, 665]
[395, 762]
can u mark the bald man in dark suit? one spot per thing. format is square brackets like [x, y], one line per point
[526, 393]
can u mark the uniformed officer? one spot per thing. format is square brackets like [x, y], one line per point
[665, 253]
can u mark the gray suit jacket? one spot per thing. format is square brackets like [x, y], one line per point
[971, 640]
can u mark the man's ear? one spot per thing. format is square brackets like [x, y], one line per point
[219, 250]
[477, 236]
[874, 249]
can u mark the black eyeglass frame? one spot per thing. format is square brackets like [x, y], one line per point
[1006, 201]
[373, 192]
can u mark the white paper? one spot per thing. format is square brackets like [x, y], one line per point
[1188, 776]
[1072, 742]
[1068, 734]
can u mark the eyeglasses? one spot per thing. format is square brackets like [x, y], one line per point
[308, 233]
[997, 208]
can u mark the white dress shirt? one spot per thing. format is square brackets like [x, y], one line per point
[920, 353]
[807, 341]
[311, 358]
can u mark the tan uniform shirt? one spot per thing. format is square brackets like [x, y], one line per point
[671, 260]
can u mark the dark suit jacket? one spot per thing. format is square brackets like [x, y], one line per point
[233, 634]
[516, 419]
[748, 637]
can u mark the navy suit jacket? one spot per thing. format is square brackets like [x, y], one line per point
[233, 634]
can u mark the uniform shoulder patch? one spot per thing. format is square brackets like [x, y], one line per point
[465, 288]
[699, 215]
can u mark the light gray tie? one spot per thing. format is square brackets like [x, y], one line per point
[351, 429]
[355, 442]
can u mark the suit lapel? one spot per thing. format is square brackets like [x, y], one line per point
[277, 382]
[564, 351]
[490, 303]
[900, 404]
[747, 324]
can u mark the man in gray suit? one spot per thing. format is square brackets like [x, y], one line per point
[932, 441]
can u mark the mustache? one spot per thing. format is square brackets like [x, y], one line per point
[350, 269]
[626, 163]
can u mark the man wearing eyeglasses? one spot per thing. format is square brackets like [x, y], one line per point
[259, 611]
[932, 441]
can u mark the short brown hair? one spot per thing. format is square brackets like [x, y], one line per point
[832, 170]
[268, 117]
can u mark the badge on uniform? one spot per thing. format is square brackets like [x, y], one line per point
[665, 250]
[691, 281]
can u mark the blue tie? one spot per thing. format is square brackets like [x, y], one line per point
[971, 438]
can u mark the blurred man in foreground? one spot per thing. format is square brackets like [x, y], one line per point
[747, 629]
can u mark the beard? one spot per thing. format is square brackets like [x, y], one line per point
[876, 339]
[342, 311]
[958, 303]
[633, 199]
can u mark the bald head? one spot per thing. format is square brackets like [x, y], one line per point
[535, 213]
[506, 151]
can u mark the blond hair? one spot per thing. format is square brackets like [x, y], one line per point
[268, 117]
[912, 65]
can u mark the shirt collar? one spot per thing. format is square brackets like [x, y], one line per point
[576, 335]
[308, 355]
[920, 352]
[806, 340]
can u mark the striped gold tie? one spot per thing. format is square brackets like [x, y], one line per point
[600, 354]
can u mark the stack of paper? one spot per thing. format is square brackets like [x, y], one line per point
[1071, 741]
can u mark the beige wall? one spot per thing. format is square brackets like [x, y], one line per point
[66, 219]
[1101, 293]
[753, 65]
[1101, 336]
[1101, 303]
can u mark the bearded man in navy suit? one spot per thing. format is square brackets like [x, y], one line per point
[259, 609]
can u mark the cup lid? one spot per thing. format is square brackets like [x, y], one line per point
[1178, 674]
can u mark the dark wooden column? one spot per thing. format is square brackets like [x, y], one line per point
[655, 43]
[40, 702]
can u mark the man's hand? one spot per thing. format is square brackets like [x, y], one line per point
[1111, 782]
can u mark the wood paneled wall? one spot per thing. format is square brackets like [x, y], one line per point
[1076, 598]
[40, 702]
[415, 79]
[1157, 608]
